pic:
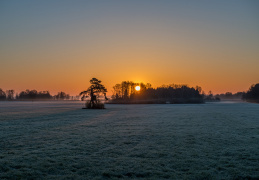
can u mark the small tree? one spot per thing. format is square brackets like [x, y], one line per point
[94, 91]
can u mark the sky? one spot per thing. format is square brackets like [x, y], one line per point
[59, 45]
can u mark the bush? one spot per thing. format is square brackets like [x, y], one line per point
[97, 105]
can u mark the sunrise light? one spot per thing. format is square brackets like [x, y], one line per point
[137, 88]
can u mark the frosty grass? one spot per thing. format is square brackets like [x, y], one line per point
[59, 140]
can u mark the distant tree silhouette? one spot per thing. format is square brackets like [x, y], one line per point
[94, 91]
[239, 95]
[252, 94]
[2, 95]
[126, 90]
[166, 93]
[61, 96]
[33, 94]
[230, 95]
[210, 97]
[44, 95]
[10, 94]
[117, 91]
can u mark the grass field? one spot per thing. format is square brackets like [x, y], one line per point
[59, 140]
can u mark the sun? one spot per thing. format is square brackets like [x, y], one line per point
[137, 88]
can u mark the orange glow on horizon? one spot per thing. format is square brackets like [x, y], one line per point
[117, 43]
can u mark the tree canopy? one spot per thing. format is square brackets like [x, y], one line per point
[253, 93]
[95, 90]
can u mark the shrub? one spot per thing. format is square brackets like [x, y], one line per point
[98, 105]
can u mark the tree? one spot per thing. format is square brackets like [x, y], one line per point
[229, 95]
[44, 95]
[61, 95]
[173, 93]
[253, 93]
[94, 91]
[117, 91]
[126, 90]
[2, 95]
[10, 94]
[33, 94]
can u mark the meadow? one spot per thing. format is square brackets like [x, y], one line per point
[60, 140]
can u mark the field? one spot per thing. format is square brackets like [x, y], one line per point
[59, 140]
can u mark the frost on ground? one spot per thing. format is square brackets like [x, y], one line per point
[59, 140]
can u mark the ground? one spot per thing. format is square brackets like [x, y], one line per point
[59, 140]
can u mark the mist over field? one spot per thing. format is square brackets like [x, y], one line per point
[59, 140]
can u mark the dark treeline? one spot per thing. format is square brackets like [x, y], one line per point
[210, 97]
[8, 95]
[61, 95]
[126, 93]
[252, 95]
[229, 95]
[126, 90]
[2, 95]
[32, 95]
